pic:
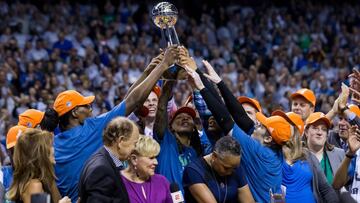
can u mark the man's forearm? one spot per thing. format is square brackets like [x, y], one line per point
[161, 119]
[341, 175]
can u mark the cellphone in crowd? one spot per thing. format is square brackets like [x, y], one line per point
[41, 198]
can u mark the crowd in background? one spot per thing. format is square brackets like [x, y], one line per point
[265, 53]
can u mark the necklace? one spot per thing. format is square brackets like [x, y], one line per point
[222, 185]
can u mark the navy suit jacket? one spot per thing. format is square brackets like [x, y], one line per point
[100, 180]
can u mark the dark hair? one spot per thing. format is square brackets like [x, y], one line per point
[51, 120]
[227, 145]
[118, 127]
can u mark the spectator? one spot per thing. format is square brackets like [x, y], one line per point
[141, 182]
[214, 177]
[33, 167]
[100, 179]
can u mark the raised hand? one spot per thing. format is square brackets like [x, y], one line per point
[343, 97]
[211, 73]
[154, 62]
[185, 59]
[171, 55]
[194, 78]
[354, 140]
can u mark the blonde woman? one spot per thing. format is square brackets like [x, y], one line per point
[141, 182]
[34, 167]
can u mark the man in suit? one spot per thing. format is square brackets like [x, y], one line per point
[100, 180]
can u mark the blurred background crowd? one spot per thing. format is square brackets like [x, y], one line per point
[265, 51]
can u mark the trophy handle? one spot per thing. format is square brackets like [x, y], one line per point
[168, 32]
[175, 35]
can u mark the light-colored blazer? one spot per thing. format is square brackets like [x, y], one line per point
[335, 157]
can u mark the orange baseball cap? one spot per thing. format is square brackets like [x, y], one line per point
[278, 127]
[316, 117]
[70, 99]
[306, 94]
[355, 109]
[252, 102]
[291, 117]
[13, 134]
[157, 91]
[185, 109]
[31, 118]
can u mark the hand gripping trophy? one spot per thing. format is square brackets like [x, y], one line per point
[164, 16]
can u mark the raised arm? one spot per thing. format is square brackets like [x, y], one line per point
[137, 97]
[154, 62]
[219, 111]
[235, 108]
[161, 118]
[341, 176]
[340, 102]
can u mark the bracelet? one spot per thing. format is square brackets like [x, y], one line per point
[349, 156]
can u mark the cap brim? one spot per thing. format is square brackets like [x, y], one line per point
[287, 118]
[283, 114]
[87, 100]
[292, 96]
[10, 145]
[261, 118]
[328, 123]
[243, 99]
[184, 109]
[187, 110]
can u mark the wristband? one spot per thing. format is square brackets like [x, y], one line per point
[349, 156]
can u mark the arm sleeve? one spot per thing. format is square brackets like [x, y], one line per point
[355, 121]
[191, 177]
[219, 111]
[351, 169]
[98, 186]
[235, 108]
[202, 108]
[208, 85]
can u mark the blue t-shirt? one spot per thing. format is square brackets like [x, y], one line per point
[262, 166]
[171, 161]
[73, 147]
[8, 176]
[223, 188]
[298, 182]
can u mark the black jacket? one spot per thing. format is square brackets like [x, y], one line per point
[100, 180]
